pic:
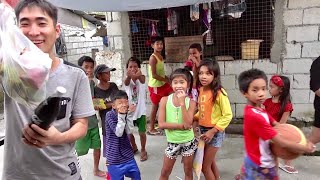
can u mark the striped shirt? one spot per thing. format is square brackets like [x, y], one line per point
[119, 149]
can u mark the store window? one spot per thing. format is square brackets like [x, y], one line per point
[227, 29]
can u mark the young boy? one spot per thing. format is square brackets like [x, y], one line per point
[92, 139]
[158, 82]
[135, 88]
[259, 162]
[104, 90]
[119, 125]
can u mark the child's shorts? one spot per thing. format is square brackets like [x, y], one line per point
[217, 139]
[90, 141]
[141, 123]
[129, 169]
[156, 93]
[185, 149]
[253, 171]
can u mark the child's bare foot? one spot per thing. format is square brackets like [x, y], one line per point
[143, 156]
[99, 173]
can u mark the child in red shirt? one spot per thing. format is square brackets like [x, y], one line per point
[279, 107]
[259, 162]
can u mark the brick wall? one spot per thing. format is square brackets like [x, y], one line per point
[78, 46]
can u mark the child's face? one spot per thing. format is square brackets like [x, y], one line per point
[133, 67]
[104, 76]
[88, 68]
[194, 53]
[121, 105]
[257, 91]
[157, 46]
[205, 76]
[179, 83]
[274, 90]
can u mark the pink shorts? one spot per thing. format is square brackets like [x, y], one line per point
[156, 93]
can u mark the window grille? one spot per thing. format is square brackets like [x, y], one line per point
[228, 33]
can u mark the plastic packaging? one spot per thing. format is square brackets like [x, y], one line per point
[49, 109]
[24, 69]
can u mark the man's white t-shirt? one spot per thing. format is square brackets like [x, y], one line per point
[136, 92]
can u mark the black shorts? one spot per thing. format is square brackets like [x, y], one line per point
[316, 122]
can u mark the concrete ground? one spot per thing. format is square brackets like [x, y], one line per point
[229, 160]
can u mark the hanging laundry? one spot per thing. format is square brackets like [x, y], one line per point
[134, 26]
[194, 12]
[152, 30]
[209, 38]
[207, 19]
[236, 8]
[172, 19]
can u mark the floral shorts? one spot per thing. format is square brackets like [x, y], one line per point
[185, 149]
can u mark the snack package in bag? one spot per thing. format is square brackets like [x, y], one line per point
[198, 156]
[24, 69]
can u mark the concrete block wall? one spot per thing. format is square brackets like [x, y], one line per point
[78, 46]
[301, 23]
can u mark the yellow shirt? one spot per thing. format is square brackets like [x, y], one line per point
[159, 70]
[216, 115]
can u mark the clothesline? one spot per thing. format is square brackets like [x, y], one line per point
[146, 19]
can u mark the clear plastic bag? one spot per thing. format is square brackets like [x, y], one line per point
[24, 69]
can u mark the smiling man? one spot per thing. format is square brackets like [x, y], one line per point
[31, 152]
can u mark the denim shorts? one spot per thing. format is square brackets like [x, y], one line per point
[253, 171]
[217, 139]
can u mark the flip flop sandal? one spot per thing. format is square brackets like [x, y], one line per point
[144, 156]
[153, 133]
[288, 169]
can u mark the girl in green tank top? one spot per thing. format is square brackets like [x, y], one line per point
[176, 118]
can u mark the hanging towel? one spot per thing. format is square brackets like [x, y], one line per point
[170, 19]
[134, 26]
[194, 12]
[209, 40]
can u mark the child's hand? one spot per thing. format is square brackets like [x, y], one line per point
[207, 136]
[194, 60]
[310, 147]
[181, 95]
[130, 73]
[138, 73]
[132, 108]
[187, 126]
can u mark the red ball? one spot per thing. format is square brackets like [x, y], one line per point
[290, 133]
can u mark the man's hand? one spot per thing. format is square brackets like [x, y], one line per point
[35, 136]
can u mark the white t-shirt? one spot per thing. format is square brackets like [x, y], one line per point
[137, 95]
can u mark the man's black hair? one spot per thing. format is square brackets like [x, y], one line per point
[46, 6]
[85, 59]
[246, 78]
